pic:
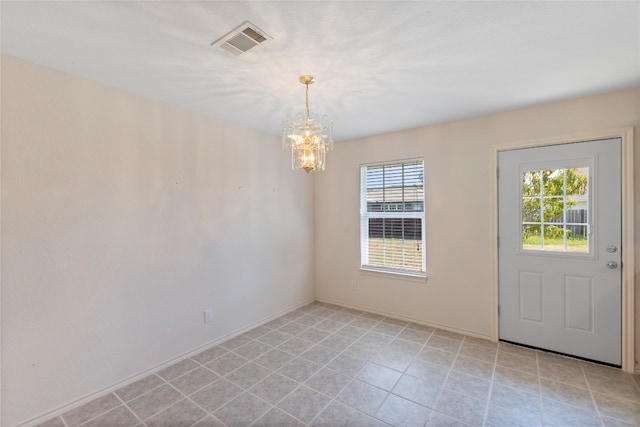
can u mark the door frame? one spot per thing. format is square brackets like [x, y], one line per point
[628, 261]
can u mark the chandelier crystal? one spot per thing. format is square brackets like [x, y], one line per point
[308, 136]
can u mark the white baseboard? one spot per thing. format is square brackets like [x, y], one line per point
[405, 318]
[131, 379]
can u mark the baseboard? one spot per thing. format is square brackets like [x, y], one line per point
[131, 379]
[405, 318]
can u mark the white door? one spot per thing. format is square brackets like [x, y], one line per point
[560, 281]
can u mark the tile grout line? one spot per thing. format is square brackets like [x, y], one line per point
[493, 374]
[591, 391]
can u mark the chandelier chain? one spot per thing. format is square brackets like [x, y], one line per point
[307, 100]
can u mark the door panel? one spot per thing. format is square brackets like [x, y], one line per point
[559, 213]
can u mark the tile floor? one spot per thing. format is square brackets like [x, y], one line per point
[324, 365]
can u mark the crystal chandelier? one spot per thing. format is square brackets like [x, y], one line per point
[308, 136]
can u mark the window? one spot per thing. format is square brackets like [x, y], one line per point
[392, 217]
[555, 210]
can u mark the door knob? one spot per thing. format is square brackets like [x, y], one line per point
[612, 265]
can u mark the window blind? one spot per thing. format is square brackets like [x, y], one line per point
[392, 217]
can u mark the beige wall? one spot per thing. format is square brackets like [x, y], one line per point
[457, 293]
[122, 220]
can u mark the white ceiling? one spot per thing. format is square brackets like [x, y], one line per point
[380, 66]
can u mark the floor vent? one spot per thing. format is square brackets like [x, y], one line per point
[242, 39]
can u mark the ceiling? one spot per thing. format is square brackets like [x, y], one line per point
[380, 66]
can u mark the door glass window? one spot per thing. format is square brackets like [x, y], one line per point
[555, 210]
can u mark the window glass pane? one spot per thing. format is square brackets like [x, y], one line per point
[553, 209]
[531, 183]
[531, 237]
[531, 209]
[577, 238]
[561, 205]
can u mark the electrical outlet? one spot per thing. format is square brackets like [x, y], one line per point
[354, 285]
[208, 315]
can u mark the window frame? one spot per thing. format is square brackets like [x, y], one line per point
[366, 215]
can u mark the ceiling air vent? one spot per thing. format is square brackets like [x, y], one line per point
[242, 39]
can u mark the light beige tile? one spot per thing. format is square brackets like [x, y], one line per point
[274, 359]
[209, 421]
[120, 417]
[436, 419]
[444, 343]
[364, 323]
[299, 369]
[277, 418]
[314, 335]
[388, 329]
[468, 385]
[417, 390]
[464, 408]
[362, 350]
[448, 334]
[195, 380]
[517, 350]
[209, 355]
[363, 396]
[91, 410]
[347, 365]
[430, 372]
[562, 370]
[396, 358]
[274, 388]
[276, 323]
[293, 328]
[256, 332]
[248, 375]
[401, 412]
[155, 401]
[274, 338]
[481, 352]
[338, 414]
[296, 346]
[517, 379]
[242, 411]
[139, 387]
[177, 369]
[615, 385]
[235, 342]
[473, 367]
[379, 376]
[566, 393]
[328, 382]
[561, 414]
[418, 337]
[217, 394]
[337, 342]
[517, 362]
[507, 397]
[626, 410]
[329, 325]
[253, 350]
[53, 422]
[512, 417]
[304, 403]
[309, 320]
[320, 354]
[227, 363]
[437, 356]
[183, 413]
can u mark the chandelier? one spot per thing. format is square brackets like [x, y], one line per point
[308, 136]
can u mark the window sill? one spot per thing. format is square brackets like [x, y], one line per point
[397, 275]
